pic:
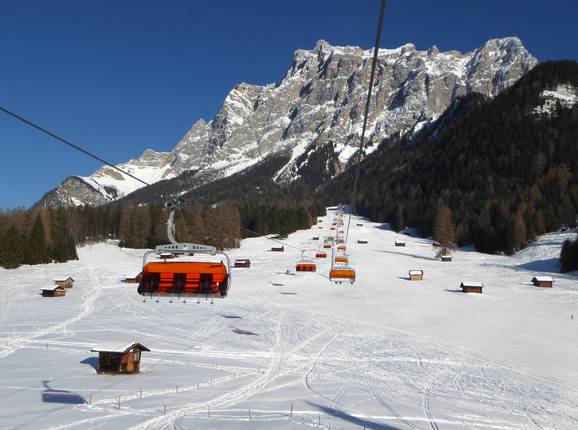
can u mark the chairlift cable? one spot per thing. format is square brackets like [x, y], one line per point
[69, 143]
[102, 160]
[367, 103]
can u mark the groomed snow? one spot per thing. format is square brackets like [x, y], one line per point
[385, 353]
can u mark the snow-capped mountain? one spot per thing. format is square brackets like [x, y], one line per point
[317, 106]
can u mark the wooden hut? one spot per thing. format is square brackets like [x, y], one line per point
[132, 280]
[359, 224]
[400, 243]
[242, 262]
[416, 275]
[56, 291]
[64, 282]
[472, 287]
[119, 357]
[362, 241]
[543, 281]
[446, 258]
[315, 238]
[277, 248]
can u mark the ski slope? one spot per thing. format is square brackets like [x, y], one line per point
[292, 350]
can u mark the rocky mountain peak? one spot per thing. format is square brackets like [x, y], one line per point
[317, 108]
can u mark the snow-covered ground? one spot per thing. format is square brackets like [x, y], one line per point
[385, 353]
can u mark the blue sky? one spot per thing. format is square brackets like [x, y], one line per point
[120, 76]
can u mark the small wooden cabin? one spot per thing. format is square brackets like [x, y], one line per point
[341, 247]
[277, 248]
[64, 282]
[56, 291]
[327, 245]
[132, 280]
[119, 357]
[359, 224]
[315, 238]
[342, 259]
[362, 241]
[416, 275]
[446, 258]
[242, 262]
[472, 287]
[400, 243]
[543, 281]
[320, 254]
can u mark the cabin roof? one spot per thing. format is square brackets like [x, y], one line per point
[120, 347]
[58, 287]
[64, 279]
[399, 241]
[472, 284]
[242, 259]
[543, 278]
[416, 272]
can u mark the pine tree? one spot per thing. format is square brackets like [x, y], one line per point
[399, 220]
[11, 249]
[37, 248]
[569, 256]
[444, 230]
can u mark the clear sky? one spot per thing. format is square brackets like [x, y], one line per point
[120, 76]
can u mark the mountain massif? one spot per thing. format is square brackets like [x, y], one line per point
[308, 124]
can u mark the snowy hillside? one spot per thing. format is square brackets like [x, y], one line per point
[289, 350]
[316, 108]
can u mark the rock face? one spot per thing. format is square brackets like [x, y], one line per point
[316, 112]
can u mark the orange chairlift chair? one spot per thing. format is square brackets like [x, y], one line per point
[184, 277]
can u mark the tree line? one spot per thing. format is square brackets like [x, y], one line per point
[44, 235]
[35, 237]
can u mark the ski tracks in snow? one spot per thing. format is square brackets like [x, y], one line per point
[15, 343]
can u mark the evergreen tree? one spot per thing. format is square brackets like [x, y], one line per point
[569, 256]
[11, 249]
[37, 251]
[398, 223]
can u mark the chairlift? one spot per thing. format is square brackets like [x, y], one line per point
[182, 276]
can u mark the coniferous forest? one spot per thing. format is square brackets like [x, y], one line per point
[507, 172]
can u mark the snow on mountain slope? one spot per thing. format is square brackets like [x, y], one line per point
[320, 101]
[565, 95]
[383, 353]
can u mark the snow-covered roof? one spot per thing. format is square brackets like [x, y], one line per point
[64, 279]
[472, 284]
[120, 347]
[416, 272]
[543, 278]
[400, 241]
[53, 288]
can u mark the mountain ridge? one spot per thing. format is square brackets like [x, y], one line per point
[316, 108]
